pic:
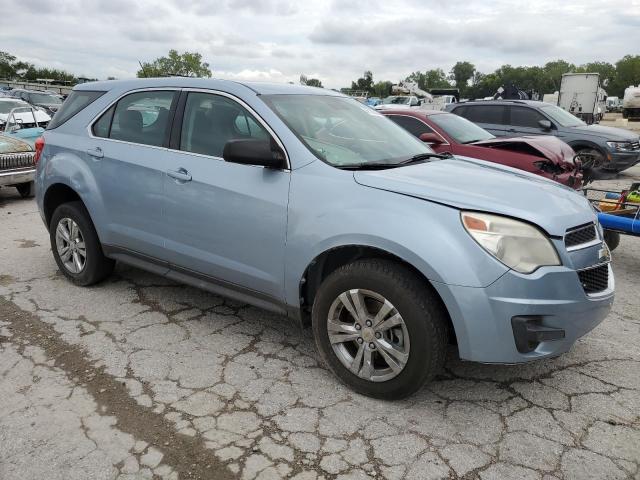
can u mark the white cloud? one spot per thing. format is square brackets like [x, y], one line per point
[277, 40]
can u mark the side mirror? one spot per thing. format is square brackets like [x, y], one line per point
[545, 124]
[430, 138]
[265, 153]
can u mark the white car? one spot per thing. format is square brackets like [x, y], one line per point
[27, 115]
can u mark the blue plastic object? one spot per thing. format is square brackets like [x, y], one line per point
[619, 223]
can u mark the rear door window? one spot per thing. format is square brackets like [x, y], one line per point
[141, 117]
[485, 114]
[77, 101]
[412, 125]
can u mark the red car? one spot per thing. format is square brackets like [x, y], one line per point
[445, 132]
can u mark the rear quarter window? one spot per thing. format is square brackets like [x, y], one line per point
[77, 101]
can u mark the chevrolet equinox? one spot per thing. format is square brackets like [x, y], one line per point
[305, 202]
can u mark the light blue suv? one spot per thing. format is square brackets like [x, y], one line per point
[307, 203]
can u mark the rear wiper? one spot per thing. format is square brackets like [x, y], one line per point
[421, 157]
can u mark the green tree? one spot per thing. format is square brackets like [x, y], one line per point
[7, 65]
[553, 72]
[461, 73]
[605, 69]
[382, 89]
[310, 82]
[364, 83]
[627, 74]
[434, 78]
[187, 64]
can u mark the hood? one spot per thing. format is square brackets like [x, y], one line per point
[27, 117]
[13, 145]
[465, 183]
[546, 146]
[608, 133]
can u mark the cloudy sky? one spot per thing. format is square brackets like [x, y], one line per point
[328, 39]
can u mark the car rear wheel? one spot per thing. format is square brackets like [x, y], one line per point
[76, 247]
[26, 190]
[379, 328]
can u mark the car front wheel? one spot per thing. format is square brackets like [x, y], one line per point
[76, 247]
[380, 328]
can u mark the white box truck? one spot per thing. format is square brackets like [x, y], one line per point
[582, 95]
[631, 103]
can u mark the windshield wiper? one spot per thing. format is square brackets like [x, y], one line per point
[421, 157]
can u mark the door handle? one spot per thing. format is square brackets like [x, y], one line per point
[181, 175]
[95, 152]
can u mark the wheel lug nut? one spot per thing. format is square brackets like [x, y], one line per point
[372, 345]
[358, 327]
[368, 323]
[360, 340]
[378, 335]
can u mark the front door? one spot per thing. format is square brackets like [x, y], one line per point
[224, 221]
[525, 121]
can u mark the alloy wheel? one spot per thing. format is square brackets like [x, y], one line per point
[368, 335]
[70, 245]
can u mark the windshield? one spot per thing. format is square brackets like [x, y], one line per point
[397, 101]
[7, 105]
[344, 132]
[561, 116]
[44, 98]
[460, 129]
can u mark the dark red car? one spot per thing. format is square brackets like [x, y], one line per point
[445, 132]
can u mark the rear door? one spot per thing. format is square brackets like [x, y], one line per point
[128, 155]
[224, 222]
[490, 117]
[525, 121]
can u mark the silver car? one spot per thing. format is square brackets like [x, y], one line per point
[307, 203]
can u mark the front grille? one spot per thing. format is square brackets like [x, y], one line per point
[594, 279]
[10, 161]
[635, 146]
[579, 235]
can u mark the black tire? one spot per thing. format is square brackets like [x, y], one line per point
[26, 190]
[612, 239]
[97, 267]
[592, 158]
[420, 308]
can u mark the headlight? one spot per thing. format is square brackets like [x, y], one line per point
[518, 245]
[621, 146]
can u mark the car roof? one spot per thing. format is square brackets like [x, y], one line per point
[414, 112]
[531, 103]
[260, 88]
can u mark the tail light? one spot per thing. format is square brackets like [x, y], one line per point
[39, 148]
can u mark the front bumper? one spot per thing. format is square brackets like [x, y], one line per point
[17, 176]
[552, 297]
[619, 161]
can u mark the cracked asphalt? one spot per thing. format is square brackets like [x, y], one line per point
[139, 377]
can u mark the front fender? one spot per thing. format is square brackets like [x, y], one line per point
[328, 209]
